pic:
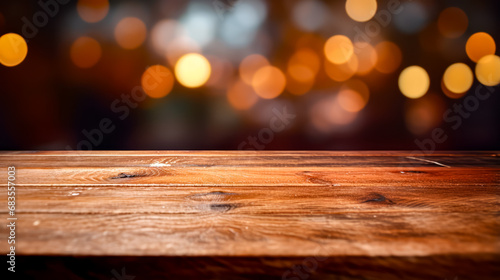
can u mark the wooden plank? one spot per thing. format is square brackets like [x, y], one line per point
[354, 208]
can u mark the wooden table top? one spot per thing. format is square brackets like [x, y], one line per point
[351, 215]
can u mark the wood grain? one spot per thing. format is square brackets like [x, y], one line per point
[360, 215]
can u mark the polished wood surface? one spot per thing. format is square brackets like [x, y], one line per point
[350, 215]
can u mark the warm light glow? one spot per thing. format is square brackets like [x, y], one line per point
[452, 22]
[192, 70]
[241, 96]
[414, 82]
[338, 49]
[479, 45]
[342, 72]
[250, 65]
[130, 33]
[157, 81]
[180, 46]
[458, 78]
[353, 95]
[488, 70]
[361, 10]
[367, 57]
[307, 58]
[269, 82]
[424, 114]
[13, 49]
[92, 10]
[450, 94]
[85, 52]
[301, 73]
[389, 57]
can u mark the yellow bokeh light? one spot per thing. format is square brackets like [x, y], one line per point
[342, 72]
[130, 33]
[458, 78]
[251, 64]
[488, 70]
[85, 52]
[269, 82]
[92, 11]
[414, 82]
[452, 22]
[13, 49]
[241, 96]
[449, 93]
[361, 10]
[479, 45]
[157, 81]
[389, 57]
[192, 70]
[353, 95]
[367, 57]
[338, 49]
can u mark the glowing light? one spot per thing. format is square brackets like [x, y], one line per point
[414, 82]
[309, 15]
[424, 114]
[92, 10]
[130, 33]
[157, 81]
[389, 57]
[479, 45]
[241, 21]
[192, 70]
[241, 96]
[342, 72]
[222, 72]
[180, 46]
[85, 52]
[338, 49]
[164, 33]
[453, 22]
[361, 10]
[367, 57]
[458, 78]
[488, 70]
[353, 95]
[303, 66]
[200, 22]
[250, 65]
[13, 49]
[269, 82]
[450, 94]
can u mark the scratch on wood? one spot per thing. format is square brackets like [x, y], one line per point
[378, 198]
[429, 161]
[124, 175]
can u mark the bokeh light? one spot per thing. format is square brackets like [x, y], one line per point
[367, 57]
[269, 82]
[342, 72]
[164, 33]
[452, 22]
[130, 33]
[250, 65]
[303, 65]
[180, 46]
[361, 10]
[353, 95]
[479, 45]
[424, 114]
[458, 78]
[157, 81]
[92, 11]
[449, 93]
[338, 49]
[389, 57]
[200, 22]
[193, 70]
[414, 82]
[309, 15]
[13, 49]
[488, 70]
[241, 96]
[85, 52]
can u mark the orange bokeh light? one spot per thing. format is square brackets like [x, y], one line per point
[342, 72]
[367, 57]
[338, 49]
[480, 44]
[85, 52]
[157, 81]
[452, 22]
[92, 11]
[130, 33]
[241, 96]
[389, 57]
[250, 65]
[269, 82]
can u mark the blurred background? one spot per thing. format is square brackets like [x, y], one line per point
[249, 74]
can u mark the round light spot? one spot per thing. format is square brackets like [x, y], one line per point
[361, 10]
[269, 82]
[192, 70]
[479, 45]
[338, 49]
[488, 70]
[342, 72]
[92, 10]
[130, 33]
[13, 49]
[85, 52]
[458, 78]
[251, 64]
[414, 82]
[367, 57]
[157, 81]
[389, 57]
[353, 95]
[452, 22]
[241, 96]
